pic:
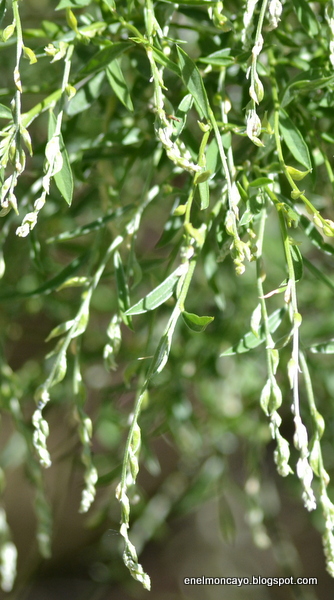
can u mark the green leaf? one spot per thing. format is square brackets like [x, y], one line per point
[104, 57]
[260, 182]
[221, 58]
[323, 348]
[157, 297]
[308, 81]
[194, 83]
[307, 17]
[122, 289]
[321, 276]
[193, 2]
[204, 194]
[5, 113]
[118, 84]
[166, 62]
[3, 10]
[86, 95]
[92, 226]
[294, 141]
[72, 4]
[60, 329]
[297, 260]
[110, 3]
[63, 178]
[52, 284]
[60, 368]
[250, 341]
[315, 237]
[196, 323]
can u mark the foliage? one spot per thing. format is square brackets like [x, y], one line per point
[171, 161]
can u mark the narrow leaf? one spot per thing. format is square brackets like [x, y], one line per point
[260, 182]
[72, 4]
[204, 194]
[324, 348]
[118, 84]
[104, 57]
[122, 289]
[2, 10]
[60, 330]
[63, 178]
[193, 2]
[294, 141]
[86, 95]
[157, 297]
[194, 83]
[307, 17]
[60, 368]
[297, 260]
[314, 236]
[92, 226]
[196, 323]
[221, 58]
[250, 341]
[52, 284]
[166, 62]
[5, 113]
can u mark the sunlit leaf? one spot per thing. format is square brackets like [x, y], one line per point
[72, 4]
[250, 341]
[196, 323]
[157, 297]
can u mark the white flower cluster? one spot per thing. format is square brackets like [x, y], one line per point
[275, 9]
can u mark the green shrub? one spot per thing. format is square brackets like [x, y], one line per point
[172, 161]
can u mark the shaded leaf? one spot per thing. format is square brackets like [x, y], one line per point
[307, 17]
[3, 10]
[308, 81]
[86, 95]
[92, 226]
[53, 283]
[123, 296]
[102, 58]
[250, 341]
